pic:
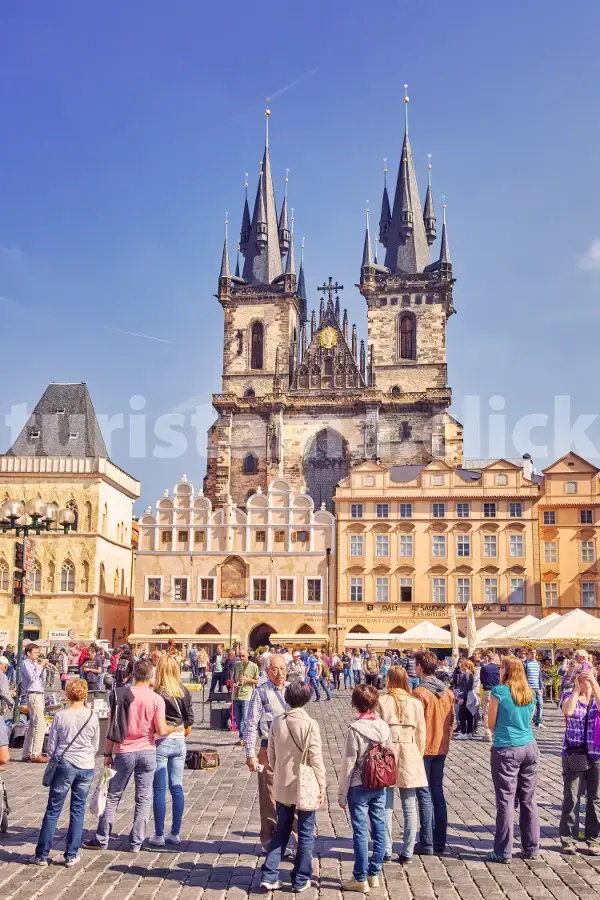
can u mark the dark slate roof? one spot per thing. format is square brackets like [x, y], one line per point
[263, 263]
[406, 472]
[410, 255]
[469, 474]
[48, 432]
[537, 479]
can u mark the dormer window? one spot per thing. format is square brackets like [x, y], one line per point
[73, 435]
[34, 434]
[60, 411]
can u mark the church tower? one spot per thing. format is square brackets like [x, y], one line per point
[409, 302]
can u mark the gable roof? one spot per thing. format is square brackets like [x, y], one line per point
[561, 465]
[63, 423]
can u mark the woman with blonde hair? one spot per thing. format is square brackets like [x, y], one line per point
[465, 684]
[170, 750]
[406, 718]
[514, 761]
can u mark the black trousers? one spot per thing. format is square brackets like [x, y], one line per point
[465, 719]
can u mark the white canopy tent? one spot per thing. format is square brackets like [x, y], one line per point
[529, 635]
[360, 639]
[499, 639]
[426, 634]
[487, 631]
[576, 627]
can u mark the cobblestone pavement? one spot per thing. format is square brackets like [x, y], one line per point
[220, 857]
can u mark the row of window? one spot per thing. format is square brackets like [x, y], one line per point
[439, 545]
[587, 551]
[259, 590]
[586, 517]
[588, 594]
[439, 590]
[438, 510]
[301, 536]
[68, 578]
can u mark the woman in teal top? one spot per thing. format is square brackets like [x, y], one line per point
[514, 761]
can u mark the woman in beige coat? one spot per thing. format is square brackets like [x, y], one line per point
[404, 714]
[293, 736]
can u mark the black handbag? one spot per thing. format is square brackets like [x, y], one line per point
[52, 764]
[577, 758]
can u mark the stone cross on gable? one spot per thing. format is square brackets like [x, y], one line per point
[330, 288]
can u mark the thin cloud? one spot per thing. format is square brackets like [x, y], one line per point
[292, 84]
[146, 337]
[590, 261]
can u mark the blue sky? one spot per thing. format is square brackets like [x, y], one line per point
[127, 129]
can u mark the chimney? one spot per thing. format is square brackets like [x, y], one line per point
[527, 466]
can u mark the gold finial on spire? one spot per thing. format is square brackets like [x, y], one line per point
[429, 169]
[385, 161]
[267, 114]
[302, 251]
[246, 180]
[406, 102]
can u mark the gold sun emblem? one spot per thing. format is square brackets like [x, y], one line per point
[328, 337]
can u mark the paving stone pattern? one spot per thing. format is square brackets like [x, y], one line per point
[220, 857]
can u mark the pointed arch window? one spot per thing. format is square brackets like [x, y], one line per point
[67, 577]
[329, 366]
[116, 583]
[73, 506]
[257, 346]
[88, 516]
[250, 464]
[37, 577]
[105, 520]
[102, 578]
[407, 336]
[3, 575]
[51, 576]
[85, 578]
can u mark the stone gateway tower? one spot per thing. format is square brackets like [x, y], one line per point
[301, 398]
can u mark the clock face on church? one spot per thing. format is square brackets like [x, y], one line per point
[328, 337]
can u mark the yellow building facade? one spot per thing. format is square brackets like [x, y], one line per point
[569, 522]
[276, 556]
[414, 539]
[83, 579]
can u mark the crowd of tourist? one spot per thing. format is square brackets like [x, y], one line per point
[408, 708]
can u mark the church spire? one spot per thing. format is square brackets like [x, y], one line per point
[301, 289]
[385, 218]
[290, 265]
[283, 228]
[237, 263]
[245, 229]
[263, 263]
[367, 259]
[444, 246]
[225, 270]
[407, 249]
[428, 211]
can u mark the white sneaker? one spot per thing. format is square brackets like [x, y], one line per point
[173, 839]
[270, 885]
[157, 840]
[373, 880]
[540, 725]
[69, 863]
[461, 737]
[361, 887]
[300, 890]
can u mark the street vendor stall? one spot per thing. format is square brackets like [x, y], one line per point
[359, 640]
[426, 634]
[574, 629]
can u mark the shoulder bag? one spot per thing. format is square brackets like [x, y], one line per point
[576, 758]
[52, 764]
[308, 787]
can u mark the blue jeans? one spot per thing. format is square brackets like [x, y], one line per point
[408, 798]
[413, 682]
[432, 806]
[539, 706]
[142, 765]
[325, 686]
[367, 808]
[312, 681]
[240, 711]
[347, 677]
[302, 871]
[78, 781]
[217, 682]
[357, 676]
[170, 762]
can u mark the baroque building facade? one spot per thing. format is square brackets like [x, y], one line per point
[301, 397]
[83, 579]
[275, 557]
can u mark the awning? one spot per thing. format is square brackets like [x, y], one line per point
[283, 639]
[184, 638]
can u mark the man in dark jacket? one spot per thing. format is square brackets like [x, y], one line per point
[490, 677]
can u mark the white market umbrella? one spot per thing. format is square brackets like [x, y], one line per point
[426, 634]
[533, 631]
[454, 634]
[487, 631]
[471, 628]
[501, 638]
[576, 627]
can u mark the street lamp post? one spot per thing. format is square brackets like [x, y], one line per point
[233, 605]
[35, 516]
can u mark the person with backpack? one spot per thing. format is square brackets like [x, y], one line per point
[312, 674]
[367, 735]
[124, 669]
[171, 750]
[137, 718]
[404, 714]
